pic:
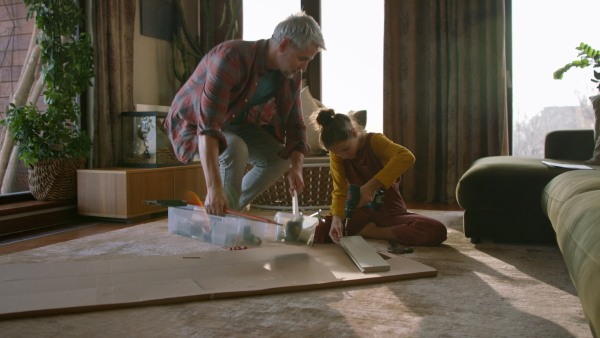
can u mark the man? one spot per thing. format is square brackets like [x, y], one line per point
[242, 105]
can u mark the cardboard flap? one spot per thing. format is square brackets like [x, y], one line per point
[63, 287]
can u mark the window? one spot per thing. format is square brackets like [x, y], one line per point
[352, 65]
[545, 35]
[261, 16]
[15, 35]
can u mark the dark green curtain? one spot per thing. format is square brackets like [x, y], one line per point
[445, 89]
[113, 88]
[220, 20]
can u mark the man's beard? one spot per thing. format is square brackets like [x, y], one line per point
[288, 73]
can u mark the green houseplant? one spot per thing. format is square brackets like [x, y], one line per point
[50, 142]
[588, 56]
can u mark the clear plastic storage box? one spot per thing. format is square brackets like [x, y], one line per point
[228, 231]
[295, 229]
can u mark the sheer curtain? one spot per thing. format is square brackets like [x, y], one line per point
[445, 89]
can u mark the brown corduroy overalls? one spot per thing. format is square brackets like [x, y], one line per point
[408, 228]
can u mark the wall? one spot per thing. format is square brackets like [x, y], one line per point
[153, 80]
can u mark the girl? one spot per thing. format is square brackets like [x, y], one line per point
[373, 162]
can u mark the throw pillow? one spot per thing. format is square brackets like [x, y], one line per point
[596, 105]
[359, 116]
[309, 105]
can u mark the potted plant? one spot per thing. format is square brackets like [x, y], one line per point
[50, 142]
[587, 57]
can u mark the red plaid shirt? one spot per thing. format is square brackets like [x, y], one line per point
[222, 85]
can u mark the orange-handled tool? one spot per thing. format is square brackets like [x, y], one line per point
[192, 198]
[251, 217]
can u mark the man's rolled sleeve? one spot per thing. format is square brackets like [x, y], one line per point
[215, 113]
[216, 134]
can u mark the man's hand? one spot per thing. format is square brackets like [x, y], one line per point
[216, 202]
[295, 174]
[296, 181]
[336, 232]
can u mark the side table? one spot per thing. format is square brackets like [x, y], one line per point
[119, 192]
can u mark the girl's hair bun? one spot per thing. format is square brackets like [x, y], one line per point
[325, 116]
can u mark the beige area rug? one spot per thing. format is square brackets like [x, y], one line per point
[488, 289]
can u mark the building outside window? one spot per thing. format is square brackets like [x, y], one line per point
[545, 34]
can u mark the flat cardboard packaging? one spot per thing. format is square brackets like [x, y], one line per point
[63, 287]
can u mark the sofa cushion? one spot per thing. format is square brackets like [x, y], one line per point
[578, 233]
[569, 145]
[504, 182]
[359, 116]
[565, 186]
[501, 198]
[310, 105]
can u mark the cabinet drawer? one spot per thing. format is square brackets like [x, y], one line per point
[148, 186]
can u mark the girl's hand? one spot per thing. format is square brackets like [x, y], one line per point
[366, 195]
[367, 192]
[337, 229]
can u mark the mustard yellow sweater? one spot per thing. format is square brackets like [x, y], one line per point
[396, 160]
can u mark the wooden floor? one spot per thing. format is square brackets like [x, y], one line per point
[73, 230]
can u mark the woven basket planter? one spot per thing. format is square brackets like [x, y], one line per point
[55, 179]
[318, 186]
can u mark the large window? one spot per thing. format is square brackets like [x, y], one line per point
[352, 65]
[15, 35]
[352, 69]
[545, 34]
[261, 16]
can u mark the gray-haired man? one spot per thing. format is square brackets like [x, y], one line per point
[242, 105]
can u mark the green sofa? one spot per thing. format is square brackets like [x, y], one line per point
[572, 203]
[519, 199]
[501, 194]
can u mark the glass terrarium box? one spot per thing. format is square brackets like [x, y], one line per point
[145, 140]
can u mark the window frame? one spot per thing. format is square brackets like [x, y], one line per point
[313, 71]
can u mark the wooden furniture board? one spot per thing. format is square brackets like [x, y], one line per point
[119, 192]
[363, 255]
[29, 289]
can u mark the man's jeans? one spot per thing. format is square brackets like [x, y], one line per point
[249, 143]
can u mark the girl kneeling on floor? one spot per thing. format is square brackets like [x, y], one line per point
[371, 161]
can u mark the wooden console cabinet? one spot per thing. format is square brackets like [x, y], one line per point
[119, 192]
